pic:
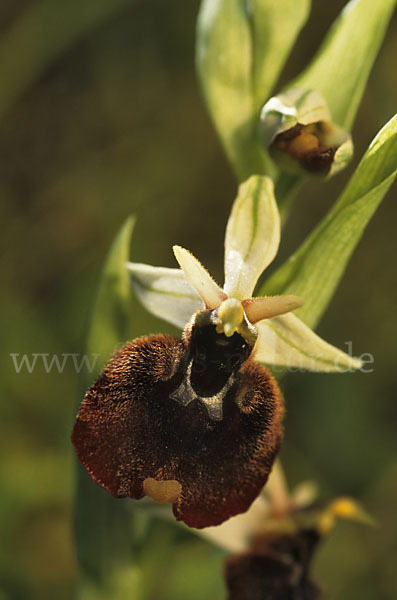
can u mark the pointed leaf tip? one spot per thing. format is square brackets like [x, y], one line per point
[199, 278]
[110, 319]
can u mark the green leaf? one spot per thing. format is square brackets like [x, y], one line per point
[44, 30]
[103, 523]
[241, 47]
[342, 65]
[315, 269]
[274, 29]
[110, 320]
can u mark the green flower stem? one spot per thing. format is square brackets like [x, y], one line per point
[241, 48]
[286, 188]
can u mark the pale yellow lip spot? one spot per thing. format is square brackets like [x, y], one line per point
[230, 316]
[162, 491]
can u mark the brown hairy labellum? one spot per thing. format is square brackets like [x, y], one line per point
[276, 568]
[192, 421]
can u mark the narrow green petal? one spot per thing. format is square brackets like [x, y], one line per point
[287, 341]
[316, 268]
[164, 292]
[252, 236]
[199, 278]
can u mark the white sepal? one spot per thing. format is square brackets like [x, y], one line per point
[235, 534]
[199, 278]
[164, 292]
[252, 236]
[287, 341]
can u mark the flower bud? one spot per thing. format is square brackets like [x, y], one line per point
[297, 129]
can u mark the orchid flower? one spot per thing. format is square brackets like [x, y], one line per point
[196, 421]
[251, 243]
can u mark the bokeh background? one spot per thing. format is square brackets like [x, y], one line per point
[100, 118]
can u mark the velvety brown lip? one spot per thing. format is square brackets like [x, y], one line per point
[130, 429]
[277, 567]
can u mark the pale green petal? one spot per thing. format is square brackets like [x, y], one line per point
[164, 292]
[199, 278]
[287, 341]
[252, 236]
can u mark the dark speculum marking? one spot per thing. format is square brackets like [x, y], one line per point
[139, 422]
[209, 373]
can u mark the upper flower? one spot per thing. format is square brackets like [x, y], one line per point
[251, 243]
[297, 129]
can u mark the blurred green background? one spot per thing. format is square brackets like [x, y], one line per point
[101, 117]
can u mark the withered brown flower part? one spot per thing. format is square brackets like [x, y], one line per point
[276, 568]
[192, 421]
[296, 128]
[306, 144]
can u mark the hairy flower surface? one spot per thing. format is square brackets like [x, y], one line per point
[196, 421]
[277, 566]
